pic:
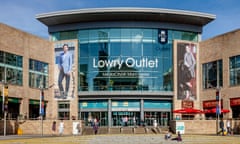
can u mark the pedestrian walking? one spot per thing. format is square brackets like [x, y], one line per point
[229, 129]
[54, 127]
[221, 125]
[61, 128]
[95, 126]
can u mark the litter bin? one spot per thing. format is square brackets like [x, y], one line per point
[19, 131]
[76, 128]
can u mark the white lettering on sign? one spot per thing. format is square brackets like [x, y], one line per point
[130, 62]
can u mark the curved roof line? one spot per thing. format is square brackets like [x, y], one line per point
[124, 13]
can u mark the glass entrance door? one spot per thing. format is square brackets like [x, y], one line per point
[162, 118]
[88, 118]
[125, 118]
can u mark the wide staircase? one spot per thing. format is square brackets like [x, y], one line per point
[126, 130]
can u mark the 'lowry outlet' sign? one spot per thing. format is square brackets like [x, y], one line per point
[129, 62]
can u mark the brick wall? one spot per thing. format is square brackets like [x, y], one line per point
[35, 127]
[203, 126]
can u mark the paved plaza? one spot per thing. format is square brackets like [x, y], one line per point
[119, 139]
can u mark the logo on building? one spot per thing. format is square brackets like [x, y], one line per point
[162, 36]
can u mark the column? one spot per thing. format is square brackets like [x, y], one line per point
[109, 112]
[141, 110]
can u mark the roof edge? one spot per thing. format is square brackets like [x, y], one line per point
[125, 9]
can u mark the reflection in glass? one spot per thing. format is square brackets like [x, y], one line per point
[131, 59]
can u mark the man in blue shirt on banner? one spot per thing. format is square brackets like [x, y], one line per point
[65, 69]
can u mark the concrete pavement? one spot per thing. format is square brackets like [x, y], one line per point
[119, 139]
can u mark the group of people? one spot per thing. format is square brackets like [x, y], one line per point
[178, 138]
[61, 128]
[222, 127]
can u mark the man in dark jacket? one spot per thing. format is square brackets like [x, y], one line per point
[221, 125]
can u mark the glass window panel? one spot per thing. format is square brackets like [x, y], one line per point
[68, 35]
[103, 35]
[147, 84]
[12, 67]
[94, 49]
[84, 64]
[125, 35]
[167, 64]
[83, 84]
[212, 74]
[136, 49]
[83, 36]
[148, 49]
[115, 48]
[93, 36]
[237, 59]
[147, 34]
[231, 63]
[234, 67]
[84, 50]
[126, 49]
[2, 57]
[157, 50]
[38, 74]
[115, 34]
[2, 73]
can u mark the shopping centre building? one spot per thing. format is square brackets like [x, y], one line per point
[134, 63]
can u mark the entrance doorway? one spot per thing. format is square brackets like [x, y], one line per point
[124, 118]
[88, 117]
[162, 118]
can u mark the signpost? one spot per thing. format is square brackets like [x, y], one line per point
[41, 107]
[218, 107]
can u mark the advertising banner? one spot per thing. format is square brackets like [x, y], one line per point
[65, 69]
[186, 70]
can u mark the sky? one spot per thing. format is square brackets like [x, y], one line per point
[21, 13]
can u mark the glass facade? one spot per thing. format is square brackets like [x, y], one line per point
[212, 74]
[234, 68]
[38, 74]
[122, 59]
[11, 68]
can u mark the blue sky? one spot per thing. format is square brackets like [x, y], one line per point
[21, 13]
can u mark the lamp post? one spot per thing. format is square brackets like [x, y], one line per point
[4, 105]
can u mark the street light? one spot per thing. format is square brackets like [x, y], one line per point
[4, 104]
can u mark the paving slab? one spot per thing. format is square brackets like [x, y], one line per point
[119, 139]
